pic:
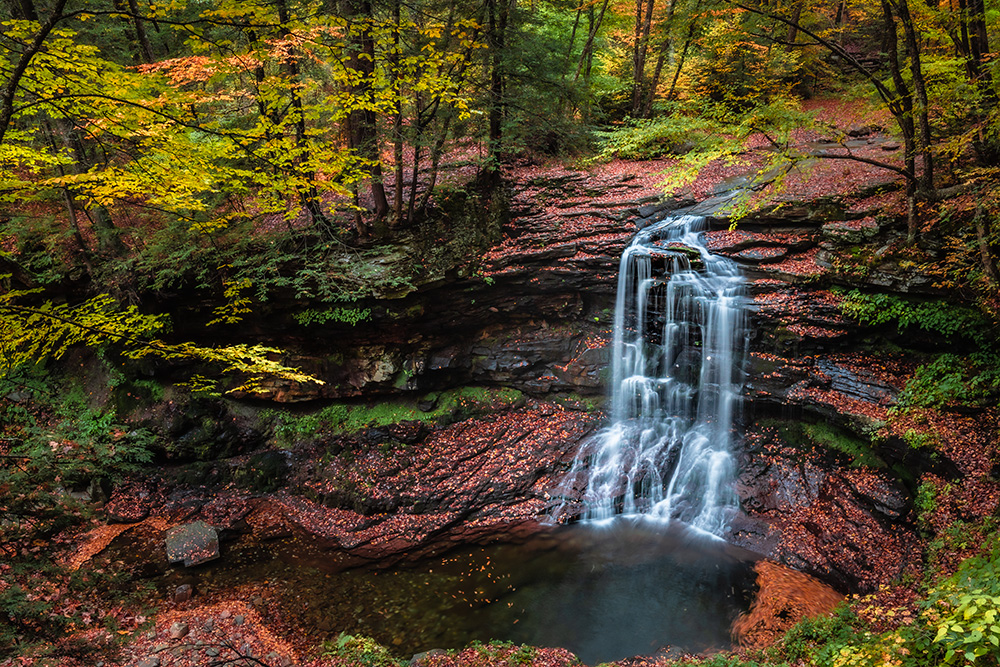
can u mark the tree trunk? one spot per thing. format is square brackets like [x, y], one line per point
[680, 61]
[308, 194]
[654, 82]
[436, 152]
[989, 268]
[588, 48]
[642, 29]
[364, 133]
[922, 107]
[140, 33]
[418, 131]
[572, 38]
[397, 121]
[258, 76]
[67, 196]
[134, 51]
[665, 47]
[979, 43]
[793, 26]
[904, 117]
[498, 16]
[23, 9]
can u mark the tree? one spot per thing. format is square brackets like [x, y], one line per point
[33, 332]
[905, 97]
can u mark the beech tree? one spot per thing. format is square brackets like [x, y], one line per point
[179, 129]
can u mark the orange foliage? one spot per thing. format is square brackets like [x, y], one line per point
[785, 598]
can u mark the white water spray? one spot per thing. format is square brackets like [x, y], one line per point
[679, 339]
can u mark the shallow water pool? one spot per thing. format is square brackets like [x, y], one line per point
[604, 593]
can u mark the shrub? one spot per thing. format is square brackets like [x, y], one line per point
[957, 622]
[937, 317]
[950, 378]
[357, 651]
[642, 139]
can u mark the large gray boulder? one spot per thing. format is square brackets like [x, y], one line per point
[192, 543]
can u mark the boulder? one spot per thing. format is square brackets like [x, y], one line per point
[192, 543]
[179, 630]
[183, 593]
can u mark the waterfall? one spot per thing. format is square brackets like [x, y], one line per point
[679, 339]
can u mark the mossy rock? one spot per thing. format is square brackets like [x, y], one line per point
[264, 472]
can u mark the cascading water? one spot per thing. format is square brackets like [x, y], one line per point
[679, 339]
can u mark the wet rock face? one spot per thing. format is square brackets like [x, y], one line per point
[809, 509]
[817, 495]
[536, 313]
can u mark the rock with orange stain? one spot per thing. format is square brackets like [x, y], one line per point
[785, 597]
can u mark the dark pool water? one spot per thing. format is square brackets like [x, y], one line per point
[604, 593]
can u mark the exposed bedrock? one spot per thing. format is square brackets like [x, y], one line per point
[536, 314]
[383, 495]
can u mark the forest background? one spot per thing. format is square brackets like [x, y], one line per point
[240, 151]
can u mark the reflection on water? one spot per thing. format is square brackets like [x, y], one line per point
[603, 593]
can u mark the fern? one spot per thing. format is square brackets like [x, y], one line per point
[932, 316]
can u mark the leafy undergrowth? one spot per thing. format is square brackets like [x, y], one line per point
[951, 619]
[54, 615]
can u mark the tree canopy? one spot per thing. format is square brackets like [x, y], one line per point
[151, 139]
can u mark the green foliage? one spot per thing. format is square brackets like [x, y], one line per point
[775, 120]
[40, 602]
[740, 71]
[926, 500]
[959, 538]
[727, 660]
[358, 651]
[918, 440]
[644, 139]
[32, 333]
[937, 317]
[951, 380]
[817, 640]
[61, 450]
[343, 315]
[810, 436]
[454, 405]
[957, 622]
[573, 401]
[948, 379]
[236, 304]
[830, 437]
[85, 448]
[511, 654]
[18, 610]
[969, 631]
[263, 268]
[38, 246]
